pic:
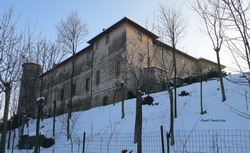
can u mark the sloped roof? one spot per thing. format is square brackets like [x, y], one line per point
[124, 20]
[204, 59]
[139, 27]
[177, 51]
[67, 60]
[186, 55]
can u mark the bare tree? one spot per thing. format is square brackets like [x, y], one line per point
[165, 60]
[172, 29]
[199, 68]
[46, 53]
[64, 129]
[13, 110]
[237, 21]
[139, 57]
[212, 14]
[71, 33]
[136, 61]
[13, 46]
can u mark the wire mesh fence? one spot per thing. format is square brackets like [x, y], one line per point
[201, 141]
[212, 141]
[123, 143]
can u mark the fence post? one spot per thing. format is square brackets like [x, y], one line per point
[83, 142]
[168, 149]
[162, 140]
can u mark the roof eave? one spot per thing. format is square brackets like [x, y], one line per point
[123, 20]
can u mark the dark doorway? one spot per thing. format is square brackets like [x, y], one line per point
[105, 101]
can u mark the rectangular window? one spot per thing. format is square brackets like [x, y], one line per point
[62, 94]
[96, 45]
[87, 84]
[117, 69]
[73, 89]
[139, 35]
[88, 54]
[97, 77]
[107, 38]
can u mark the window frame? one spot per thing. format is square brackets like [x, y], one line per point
[87, 87]
[73, 89]
[96, 45]
[117, 69]
[88, 54]
[62, 94]
[139, 35]
[97, 77]
[107, 38]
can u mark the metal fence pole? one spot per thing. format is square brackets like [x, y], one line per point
[162, 140]
[83, 142]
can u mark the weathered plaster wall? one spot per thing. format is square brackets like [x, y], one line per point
[57, 85]
[106, 56]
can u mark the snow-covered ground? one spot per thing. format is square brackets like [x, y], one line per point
[233, 114]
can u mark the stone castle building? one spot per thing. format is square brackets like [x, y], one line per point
[119, 59]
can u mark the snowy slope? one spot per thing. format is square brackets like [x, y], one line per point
[232, 114]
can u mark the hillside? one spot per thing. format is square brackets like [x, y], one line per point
[234, 114]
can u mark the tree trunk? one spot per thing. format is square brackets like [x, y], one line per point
[221, 79]
[8, 146]
[5, 117]
[171, 130]
[138, 123]
[115, 96]
[68, 121]
[71, 145]
[175, 80]
[201, 97]
[123, 112]
[38, 126]
[71, 96]
[22, 128]
[13, 141]
[54, 119]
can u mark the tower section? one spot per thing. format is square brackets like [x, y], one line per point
[29, 89]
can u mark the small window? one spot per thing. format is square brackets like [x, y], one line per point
[73, 89]
[62, 94]
[107, 38]
[97, 45]
[97, 77]
[117, 68]
[88, 54]
[139, 35]
[87, 84]
[140, 57]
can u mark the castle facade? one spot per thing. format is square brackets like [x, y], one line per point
[117, 61]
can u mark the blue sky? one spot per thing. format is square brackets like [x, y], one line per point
[99, 14]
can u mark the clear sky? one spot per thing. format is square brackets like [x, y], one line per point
[99, 14]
